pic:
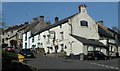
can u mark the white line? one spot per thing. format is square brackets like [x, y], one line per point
[112, 67]
[104, 65]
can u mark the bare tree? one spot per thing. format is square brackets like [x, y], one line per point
[13, 43]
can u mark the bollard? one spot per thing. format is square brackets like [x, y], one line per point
[21, 58]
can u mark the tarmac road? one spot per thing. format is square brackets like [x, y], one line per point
[42, 62]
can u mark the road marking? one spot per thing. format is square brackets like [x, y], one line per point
[103, 65]
[106, 66]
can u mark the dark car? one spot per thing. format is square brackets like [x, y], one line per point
[26, 53]
[96, 55]
[10, 49]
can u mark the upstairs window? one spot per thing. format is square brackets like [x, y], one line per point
[32, 39]
[84, 23]
[62, 35]
[3, 33]
[25, 45]
[38, 36]
[25, 36]
[11, 31]
[3, 40]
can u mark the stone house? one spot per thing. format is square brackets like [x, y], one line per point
[20, 32]
[10, 33]
[37, 24]
[0, 36]
[75, 34]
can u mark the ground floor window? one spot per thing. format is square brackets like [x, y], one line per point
[33, 47]
[94, 48]
[62, 47]
[56, 48]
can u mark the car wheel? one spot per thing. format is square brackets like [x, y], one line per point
[96, 58]
[110, 58]
[105, 58]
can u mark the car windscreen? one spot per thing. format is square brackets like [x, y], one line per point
[90, 52]
[26, 51]
[9, 47]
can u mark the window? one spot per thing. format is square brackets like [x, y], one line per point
[32, 39]
[62, 35]
[11, 31]
[44, 36]
[62, 46]
[60, 26]
[84, 23]
[25, 36]
[48, 38]
[3, 40]
[6, 38]
[39, 37]
[3, 33]
[52, 34]
[33, 46]
[25, 45]
[114, 35]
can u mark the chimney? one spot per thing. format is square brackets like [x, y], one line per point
[82, 9]
[41, 18]
[26, 23]
[100, 22]
[56, 19]
[34, 20]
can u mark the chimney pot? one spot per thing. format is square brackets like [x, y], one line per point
[82, 8]
[26, 23]
[34, 20]
[56, 19]
[42, 18]
[100, 22]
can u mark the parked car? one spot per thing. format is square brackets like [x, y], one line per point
[96, 55]
[26, 53]
[10, 49]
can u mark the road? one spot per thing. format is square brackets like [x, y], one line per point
[42, 62]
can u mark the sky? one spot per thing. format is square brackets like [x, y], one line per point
[16, 13]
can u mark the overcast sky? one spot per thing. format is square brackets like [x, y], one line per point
[16, 13]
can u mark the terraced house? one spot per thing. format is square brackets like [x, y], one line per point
[75, 34]
[33, 28]
[12, 33]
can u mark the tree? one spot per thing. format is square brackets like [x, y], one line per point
[13, 43]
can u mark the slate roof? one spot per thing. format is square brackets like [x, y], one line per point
[23, 27]
[31, 26]
[55, 24]
[104, 32]
[16, 27]
[88, 41]
[113, 31]
[39, 26]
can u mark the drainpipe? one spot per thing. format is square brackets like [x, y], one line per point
[108, 46]
[69, 22]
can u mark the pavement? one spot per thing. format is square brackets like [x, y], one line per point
[43, 62]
